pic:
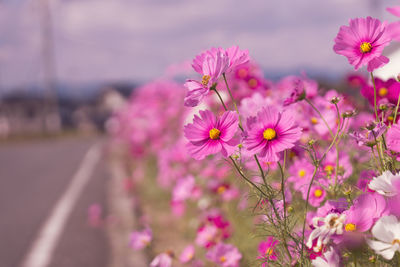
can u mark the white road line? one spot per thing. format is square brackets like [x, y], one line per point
[42, 249]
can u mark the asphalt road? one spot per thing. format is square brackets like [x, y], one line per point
[33, 177]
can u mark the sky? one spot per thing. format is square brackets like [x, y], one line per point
[136, 40]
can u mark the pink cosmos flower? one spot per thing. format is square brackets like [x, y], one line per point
[187, 254]
[224, 255]
[301, 172]
[206, 235]
[362, 43]
[393, 138]
[183, 189]
[140, 240]
[237, 57]
[272, 132]
[389, 90]
[210, 64]
[266, 250]
[317, 195]
[395, 10]
[209, 135]
[366, 210]
[162, 260]
[298, 93]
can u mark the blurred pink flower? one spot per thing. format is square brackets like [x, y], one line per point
[272, 132]
[266, 250]
[140, 240]
[209, 135]
[363, 42]
[187, 254]
[395, 10]
[162, 260]
[94, 215]
[210, 64]
[393, 138]
[366, 210]
[389, 90]
[224, 255]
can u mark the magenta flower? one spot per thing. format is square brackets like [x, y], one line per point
[393, 138]
[210, 64]
[272, 132]
[140, 240]
[395, 10]
[224, 255]
[162, 260]
[266, 250]
[362, 43]
[317, 195]
[389, 90]
[209, 135]
[237, 57]
[187, 254]
[367, 209]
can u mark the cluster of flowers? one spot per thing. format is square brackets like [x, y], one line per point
[325, 177]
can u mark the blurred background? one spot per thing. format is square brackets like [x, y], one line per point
[67, 65]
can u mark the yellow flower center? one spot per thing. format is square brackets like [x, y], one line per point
[269, 134]
[205, 80]
[396, 241]
[314, 120]
[221, 189]
[350, 227]
[222, 259]
[318, 193]
[329, 169]
[214, 133]
[269, 251]
[252, 83]
[242, 73]
[302, 173]
[390, 118]
[365, 47]
[383, 91]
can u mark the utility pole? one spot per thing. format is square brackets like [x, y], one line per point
[52, 120]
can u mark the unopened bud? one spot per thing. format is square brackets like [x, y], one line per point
[347, 191]
[311, 142]
[372, 259]
[240, 145]
[335, 100]
[383, 107]
[370, 126]
[349, 114]
[290, 209]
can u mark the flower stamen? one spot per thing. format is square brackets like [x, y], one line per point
[383, 91]
[269, 134]
[214, 133]
[365, 47]
[205, 80]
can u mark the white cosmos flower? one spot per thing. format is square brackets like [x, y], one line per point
[383, 184]
[387, 231]
[331, 224]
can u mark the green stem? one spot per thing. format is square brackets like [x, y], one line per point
[320, 115]
[233, 100]
[396, 109]
[375, 106]
[220, 98]
[244, 177]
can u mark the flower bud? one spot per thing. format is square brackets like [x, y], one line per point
[335, 100]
